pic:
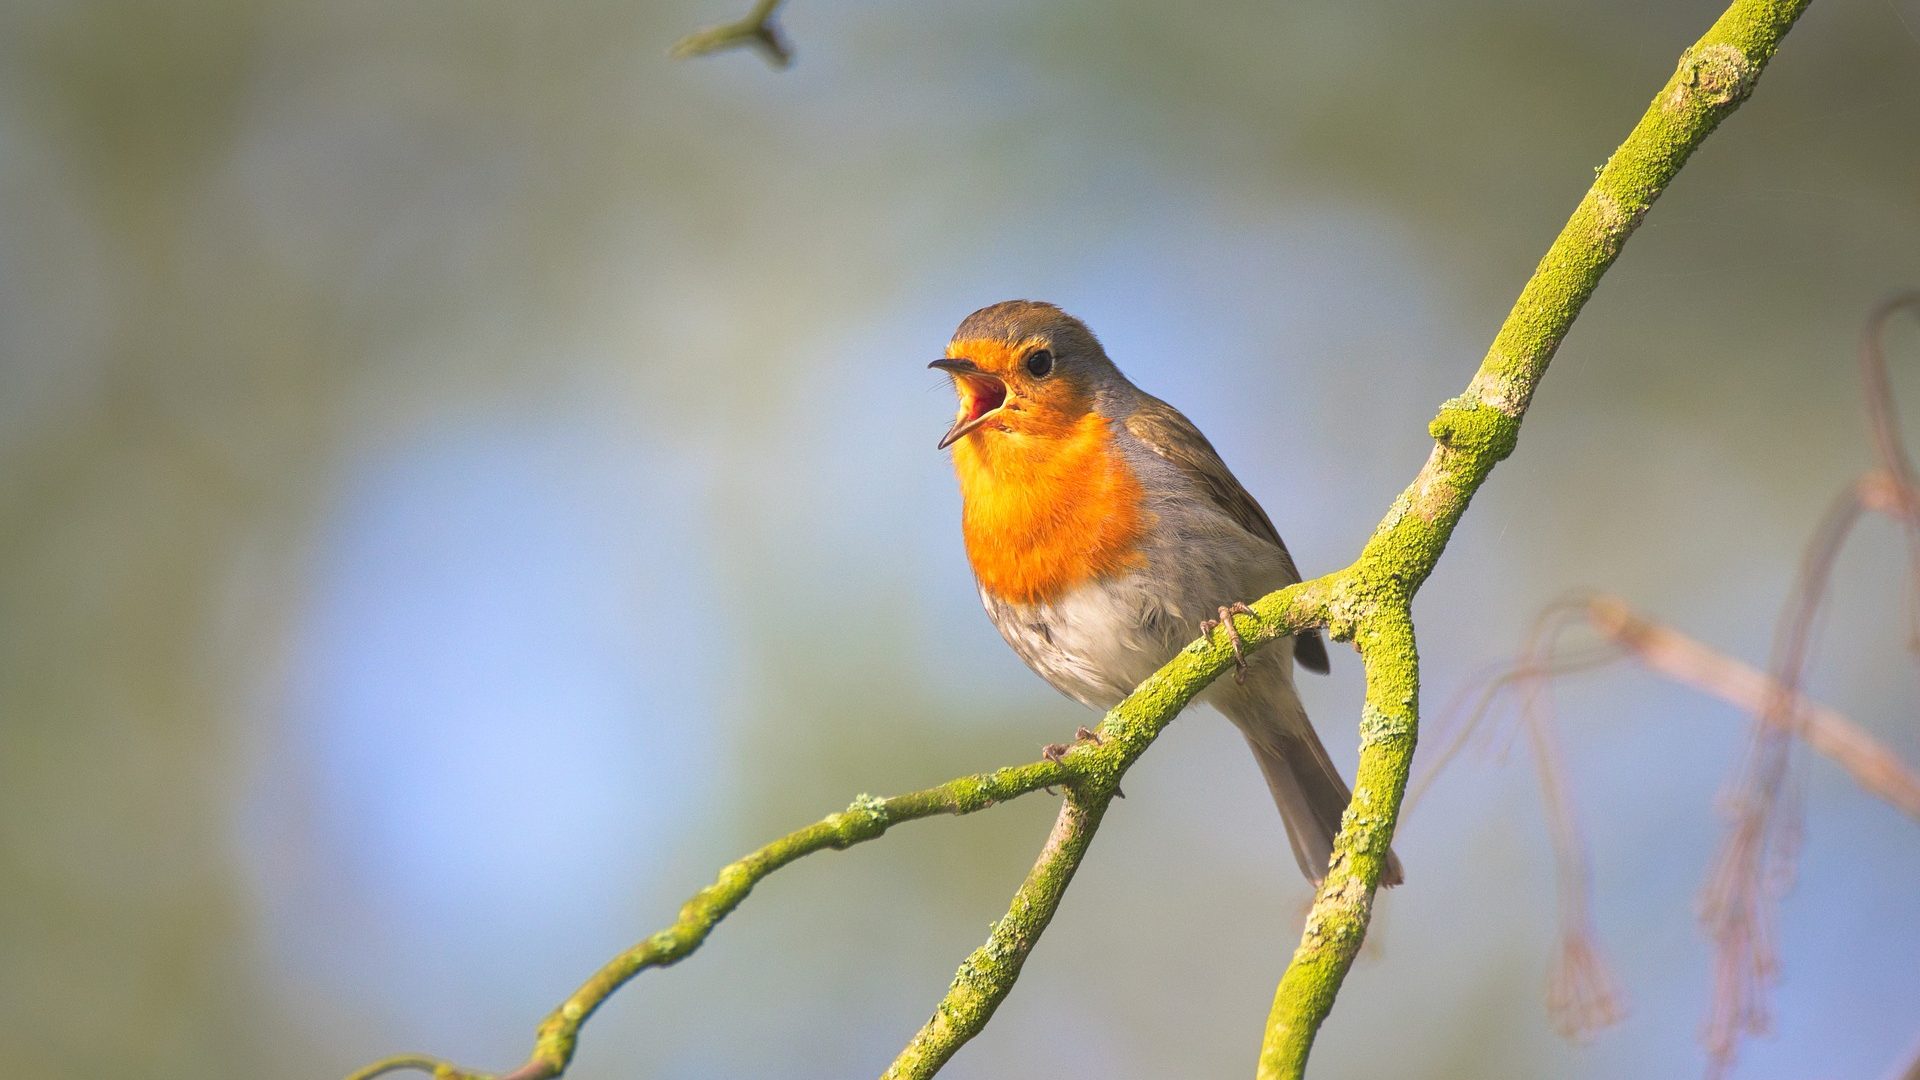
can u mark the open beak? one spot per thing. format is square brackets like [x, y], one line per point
[982, 394]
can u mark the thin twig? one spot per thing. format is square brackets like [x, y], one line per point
[1757, 859]
[1873, 766]
[1902, 485]
[407, 1063]
[756, 28]
[988, 974]
[1581, 996]
[1461, 725]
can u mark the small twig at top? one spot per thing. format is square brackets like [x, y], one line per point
[757, 29]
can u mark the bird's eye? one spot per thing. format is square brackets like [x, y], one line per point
[1039, 362]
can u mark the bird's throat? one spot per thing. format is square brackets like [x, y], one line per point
[1043, 513]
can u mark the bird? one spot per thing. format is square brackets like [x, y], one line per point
[1105, 533]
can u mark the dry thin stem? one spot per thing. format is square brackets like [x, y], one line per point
[1756, 860]
[1462, 726]
[1901, 487]
[1581, 996]
[1871, 764]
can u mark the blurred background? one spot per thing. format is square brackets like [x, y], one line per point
[465, 477]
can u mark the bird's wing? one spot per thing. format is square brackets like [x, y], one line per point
[1172, 436]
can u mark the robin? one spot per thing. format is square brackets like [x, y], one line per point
[1105, 533]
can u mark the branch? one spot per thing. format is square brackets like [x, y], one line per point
[1897, 491]
[1474, 432]
[1874, 767]
[867, 819]
[987, 976]
[1091, 771]
[756, 28]
[1369, 603]
[1757, 859]
[1581, 996]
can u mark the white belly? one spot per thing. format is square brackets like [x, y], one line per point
[1098, 641]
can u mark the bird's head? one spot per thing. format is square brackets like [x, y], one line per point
[1023, 368]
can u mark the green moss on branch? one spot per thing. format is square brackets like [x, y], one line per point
[1473, 433]
[987, 975]
[1368, 603]
[866, 819]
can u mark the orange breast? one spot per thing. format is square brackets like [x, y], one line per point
[1042, 514]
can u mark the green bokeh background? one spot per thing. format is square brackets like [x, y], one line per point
[465, 477]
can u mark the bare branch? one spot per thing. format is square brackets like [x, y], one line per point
[407, 1063]
[1899, 487]
[1583, 998]
[1581, 995]
[1757, 859]
[1871, 764]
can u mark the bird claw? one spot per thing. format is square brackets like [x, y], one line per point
[1055, 751]
[1225, 622]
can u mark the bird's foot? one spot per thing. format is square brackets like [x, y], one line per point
[1225, 622]
[1055, 751]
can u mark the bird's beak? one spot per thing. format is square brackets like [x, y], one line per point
[981, 396]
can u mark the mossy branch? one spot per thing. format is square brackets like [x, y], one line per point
[987, 975]
[1091, 771]
[1368, 603]
[867, 819]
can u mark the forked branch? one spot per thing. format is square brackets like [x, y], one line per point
[1368, 603]
[1473, 432]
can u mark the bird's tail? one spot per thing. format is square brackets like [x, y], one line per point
[1307, 789]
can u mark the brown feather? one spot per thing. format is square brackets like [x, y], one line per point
[1172, 436]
